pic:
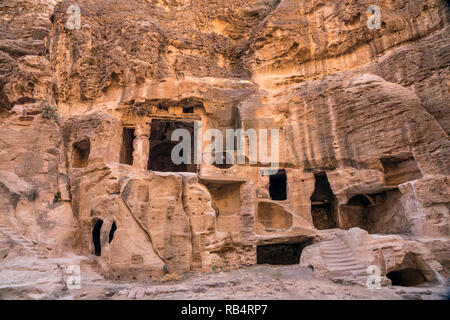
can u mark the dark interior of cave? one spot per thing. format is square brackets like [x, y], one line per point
[96, 237]
[281, 254]
[80, 153]
[188, 110]
[278, 186]
[322, 204]
[406, 277]
[359, 200]
[382, 212]
[161, 146]
[126, 152]
[111, 232]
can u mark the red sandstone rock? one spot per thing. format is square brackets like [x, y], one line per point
[363, 118]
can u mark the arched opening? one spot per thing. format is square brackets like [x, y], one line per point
[406, 277]
[323, 204]
[96, 237]
[161, 160]
[355, 213]
[278, 186]
[412, 271]
[280, 254]
[111, 232]
[376, 213]
[126, 152]
[80, 153]
[190, 105]
[359, 200]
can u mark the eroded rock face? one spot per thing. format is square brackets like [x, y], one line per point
[35, 182]
[362, 115]
[25, 72]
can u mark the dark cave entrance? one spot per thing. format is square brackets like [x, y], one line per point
[355, 212]
[161, 146]
[280, 254]
[323, 204]
[126, 152]
[96, 237]
[382, 212]
[278, 186]
[406, 277]
[111, 232]
[80, 153]
[412, 272]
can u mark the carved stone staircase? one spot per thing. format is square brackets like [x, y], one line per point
[341, 262]
[22, 241]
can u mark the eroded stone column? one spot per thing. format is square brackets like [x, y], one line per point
[141, 146]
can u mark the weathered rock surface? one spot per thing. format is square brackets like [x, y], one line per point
[34, 183]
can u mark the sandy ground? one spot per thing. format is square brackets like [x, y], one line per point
[263, 282]
[45, 279]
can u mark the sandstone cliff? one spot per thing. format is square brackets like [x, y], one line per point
[363, 116]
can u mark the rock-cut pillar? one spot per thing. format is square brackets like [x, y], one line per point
[141, 146]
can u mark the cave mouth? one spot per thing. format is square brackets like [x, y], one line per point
[280, 254]
[383, 213]
[80, 153]
[359, 200]
[406, 277]
[161, 145]
[278, 186]
[126, 152]
[323, 203]
[96, 237]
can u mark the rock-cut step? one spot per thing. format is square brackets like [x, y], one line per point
[341, 262]
[345, 264]
[332, 253]
[337, 256]
[22, 241]
[333, 259]
[334, 246]
[355, 267]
